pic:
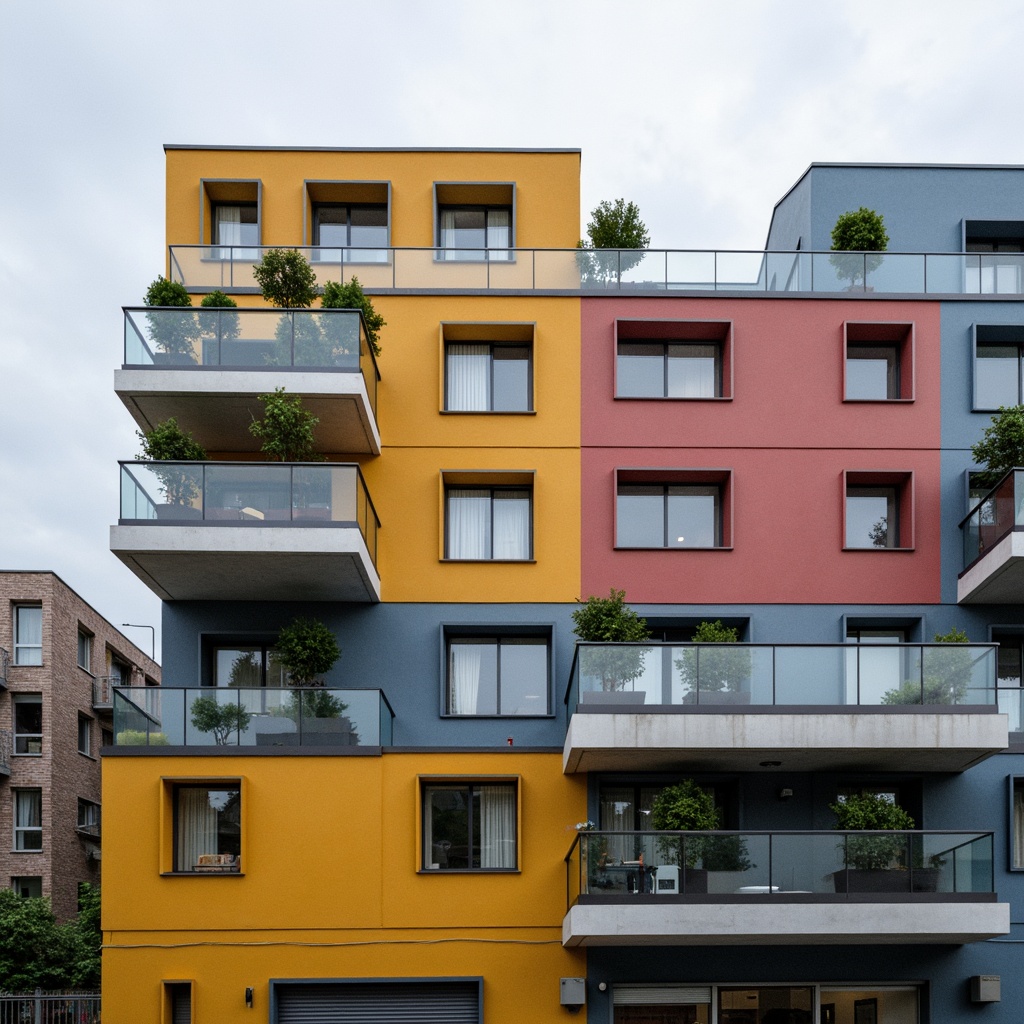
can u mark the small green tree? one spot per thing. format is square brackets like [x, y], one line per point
[689, 807]
[307, 649]
[175, 334]
[287, 429]
[871, 812]
[709, 670]
[613, 225]
[1001, 447]
[215, 320]
[352, 296]
[946, 675]
[162, 292]
[607, 620]
[218, 300]
[167, 442]
[858, 231]
[286, 279]
[208, 715]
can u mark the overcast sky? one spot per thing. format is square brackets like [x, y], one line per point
[703, 114]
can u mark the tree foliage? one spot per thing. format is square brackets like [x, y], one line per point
[166, 293]
[286, 279]
[173, 334]
[209, 715]
[1001, 447]
[352, 296]
[287, 429]
[218, 300]
[608, 620]
[871, 812]
[711, 670]
[858, 231]
[167, 442]
[689, 807]
[308, 649]
[616, 225]
[945, 678]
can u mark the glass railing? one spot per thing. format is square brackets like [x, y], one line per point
[644, 864]
[734, 676]
[205, 267]
[209, 716]
[103, 691]
[998, 514]
[252, 339]
[249, 493]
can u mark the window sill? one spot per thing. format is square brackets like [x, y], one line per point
[500, 718]
[28, 851]
[89, 756]
[202, 874]
[880, 551]
[469, 871]
[878, 401]
[722, 547]
[489, 561]
[488, 412]
[16, 754]
[672, 398]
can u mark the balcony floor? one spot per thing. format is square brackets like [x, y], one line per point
[998, 576]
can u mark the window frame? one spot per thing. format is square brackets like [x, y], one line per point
[901, 484]
[863, 336]
[1015, 829]
[993, 238]
[170, 825]
[15, 879]
[89, 816]
[84, 653]
[20, 737]
[484, 634]
[496, 334]
[85, 722]
[495, 482]
[20, 646]
[20, 831]
[324, 192]
[995, 336]
[469, 783]
[679, 477]
[677, 332]
[475, 195]
[215, 192]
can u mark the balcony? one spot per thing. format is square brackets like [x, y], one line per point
[203, 268]
[103, 692]
[5, 751]
[750, 888]
[239, 719]
[206, 367]
[841, 707]
[248, 531]
[993, 546]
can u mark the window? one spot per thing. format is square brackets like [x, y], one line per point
[234, 211]
[28, 819]
[482, 377]
[248, 665]
[178, 995]
[469, 826]
[85, 735]
[879, 362]
[88, 817]
[84, 649]
[28, 723]
[475, 221]
[671, 509]
[486, 523]
[876, 667]
[355, 234]
[673, 359]
[997, 267]
[28, 634]
[879, 511]
[1017, 819]
[998, 366]
[1009, 675]
[497, 675]
[207, 828]
[120, 672]
[29, 887]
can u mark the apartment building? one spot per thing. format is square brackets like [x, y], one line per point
[59, 662]
[778, 441]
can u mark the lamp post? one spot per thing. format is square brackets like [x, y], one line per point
[152, 630]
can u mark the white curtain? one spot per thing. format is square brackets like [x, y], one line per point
[469, 523]
[464, 679]
[447, 238]
[469, 378]
[511, 525]
[497, 827]
[197, 828]
[1018, 825]
[691, 371]
[499, 234]
[229, 225]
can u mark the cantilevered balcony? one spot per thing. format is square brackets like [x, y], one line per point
[238, 719]
[248, 531]
[993, 545]
[203, 268]
[749, 888]
[206, 367]
[659, 707]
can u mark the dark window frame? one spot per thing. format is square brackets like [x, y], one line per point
[894, 341]
[483, 635]
[21, 737]
[19, 646]
[469, 785]
[493, 489]
[493, 346]
[208, 785]
[1003, 337]
[666, 356]
[897, 483]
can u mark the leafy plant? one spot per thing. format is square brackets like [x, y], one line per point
[613, 225]
[947, 681]
[209, 715]
[708, 670]
[307, 649]
[315, 703]
[286, 429]
[218, 300]
[167, 442]
[861, 230]
[1001, 447]
[222, 325]
[286, 279]
[140, 738]
[352, 296]
[689, 807]
[175, 334]
[871, 812]
[608, 620]
[162, 292]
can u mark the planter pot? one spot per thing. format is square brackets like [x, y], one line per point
[724, 697]
[926, 879]
[880, 880]
[695, 880]
[613, 697]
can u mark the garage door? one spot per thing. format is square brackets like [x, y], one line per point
[383, 1002]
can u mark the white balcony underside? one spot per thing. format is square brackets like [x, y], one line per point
[743, 924]
[217, 406]
[849, 740]
[253, 563]
[997, 577]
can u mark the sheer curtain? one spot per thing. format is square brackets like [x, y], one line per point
[197, 828]
[464, 679]
[511, 525]
[469, 523]
[497, 827]
[447, 238]
[499, 234]
[469, 377]
[691, 371]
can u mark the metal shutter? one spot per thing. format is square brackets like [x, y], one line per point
[660, 995]
[181, 1003]
[428, 1002]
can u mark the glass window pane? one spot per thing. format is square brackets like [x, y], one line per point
[640, 516]
[692, 517]
[473, 677]
[28, 640]
[997, 377]
[871, 517]
[511, 378]
[468, 373]
[511, 525]
[871, 373]
[469, 523]
[207, 825]
[692, 371]
[238, 666]
[640, 370]
[524, 676]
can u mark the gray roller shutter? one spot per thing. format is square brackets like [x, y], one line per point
[396, 1002]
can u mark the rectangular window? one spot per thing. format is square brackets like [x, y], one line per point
[28, 723]
[489, 524]
[498, 675]
[998, 265]
[85, 735]
[652, 369]
[207, 828]
[179, 1002]
[88, 817]
[668, 515]
[355, 233]
[249, 665]
[1017, 820]
[28, 634]
[475, 232]
[879, 362]
[84, 650]
[28, 819]
[483, 377]
[998, 366]
[236, 225]
[29, 887]
[878, 511]
[469, 826]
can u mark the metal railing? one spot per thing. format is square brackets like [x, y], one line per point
[253, 339]
[5, 751]
[997, 515]
[243, 717]
[252, 494]
[638, 864]
[588, 271]
[734, 676]
[50, 1008]
[103, 691]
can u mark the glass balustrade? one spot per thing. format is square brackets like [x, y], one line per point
[998, 514]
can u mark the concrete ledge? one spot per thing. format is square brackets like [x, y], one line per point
[997, 577]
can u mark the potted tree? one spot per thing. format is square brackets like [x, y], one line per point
[174, 334]
[614, 226]
[222, 720]
[218, 328]
[945, 679]
[875, 862]
[856, 233]
[352, 296]
[607, 620]
[286, 429]
[167, 442]
[715, 675]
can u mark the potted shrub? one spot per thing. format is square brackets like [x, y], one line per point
[857, 232]
[607, 620]
[945, 679]
[715, 676]
[352, 296]
[174, 334]
[286, 429]
[222, 720]
[219, 326]
[167, 442]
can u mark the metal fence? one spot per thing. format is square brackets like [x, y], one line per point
[50, 1008]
